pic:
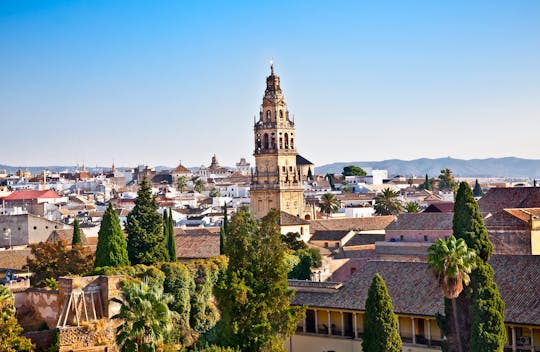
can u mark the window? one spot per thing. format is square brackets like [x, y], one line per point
[281, 114]
[325, 244]
[35, 227]
[286, 141]
[265, 141]
[425, 238]
[268, 114]
[401, 237]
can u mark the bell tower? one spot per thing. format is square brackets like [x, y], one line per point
[276, 182]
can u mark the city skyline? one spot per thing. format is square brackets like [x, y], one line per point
[155, 83]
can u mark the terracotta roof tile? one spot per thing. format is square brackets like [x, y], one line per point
[355, 224]
[422, 221]
[497, 199]
[190, 246]
[286, 219]
[31, 195]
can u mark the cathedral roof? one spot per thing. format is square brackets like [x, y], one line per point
[287, 219]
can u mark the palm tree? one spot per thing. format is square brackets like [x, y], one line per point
[181, 183]
[199, 185]
[452, 261]
[329, 204]
[412, 207]
[146, 318]
[387, 203]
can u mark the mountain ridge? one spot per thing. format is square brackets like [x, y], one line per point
[487, 167]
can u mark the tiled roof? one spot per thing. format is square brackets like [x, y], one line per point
[328, 235]
[286, 219]
[180, 169]
[65, 235]
[518, 279]
[14, 259]
[422, 221]
[440, 207]
[361, 239]
[190, 246]
[524, 214]
[357, 196]
[300, 160]
[31, 195]
[506, 220]
[355, 224]
[497, 199]
[414, 290]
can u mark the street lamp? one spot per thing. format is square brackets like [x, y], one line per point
[7, 235]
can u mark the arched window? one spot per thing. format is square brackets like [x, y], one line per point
[268, 115]
[265, 141]
[286, 141]
[281, 114]
[273, 141]
[280, 142]
[258, 142]
[292, 143]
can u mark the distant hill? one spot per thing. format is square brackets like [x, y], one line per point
[492, 167]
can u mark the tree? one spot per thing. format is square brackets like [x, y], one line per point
[223, 230]
[451, 262]
[447, 182]
[52, 260]
[480, 307]
[308, 258]
[353, 170]
[76, 239]
[412, 207]
[145, 315]
[111, 248]
[171, 244]
[387, 203]
[330, 178]
[477, 190]
[214, 192]
[427, 184]
[293, 241]
[309, 174]
[10, 330]
[380, 322]
[329, 204]
[144, 227]
[199, 186]
[181, 183]
[253, 296]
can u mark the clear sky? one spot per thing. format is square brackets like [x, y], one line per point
[161, 81]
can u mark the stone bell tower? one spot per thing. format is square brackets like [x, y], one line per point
[276, 182]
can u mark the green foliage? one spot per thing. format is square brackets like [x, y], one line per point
[10, 330]
[480, 308]
[181, 183]
[76, 239]
[427, 184]
[309, 174]
[309, 258]
[293, 242]
[488, 332]
[51, 284]
[214, 192]
[329, 203]
[145, 316]
[451, 262]
[200, 185]
[447, 182]
[477, 190]
[380, 323]
[353, 170]
[223, 230]
[412, 207]
[145, 243]
[52, 260]
[55, 344]
[171, 244]
[215, 348]
[468, 223]
[387, 203]
[330, 178]
[112, 246]
[253, 296]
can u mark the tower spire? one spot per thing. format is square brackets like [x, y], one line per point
[272, 67]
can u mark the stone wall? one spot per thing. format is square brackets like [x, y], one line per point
[45, 304]
[95, 336]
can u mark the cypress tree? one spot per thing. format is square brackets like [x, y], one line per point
[480, 306]
[166, 231]
[76, 240]
[112, 246]
[171, 244]
[477, 190]
[380, 322]
[223, 230]
[144, 227]
[427, 184]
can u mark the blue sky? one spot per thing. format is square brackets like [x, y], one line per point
[161, 81]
